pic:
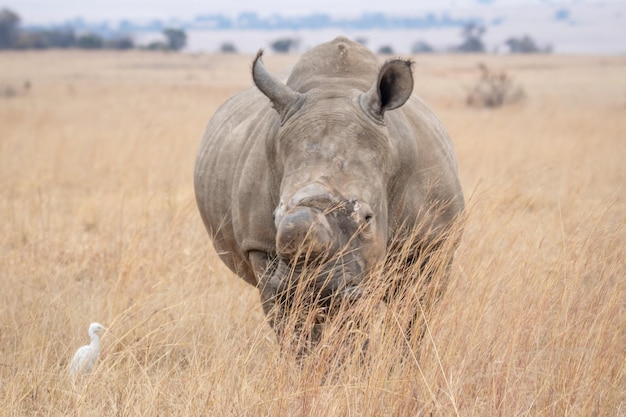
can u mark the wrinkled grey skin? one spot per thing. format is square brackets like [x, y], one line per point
[324, 171]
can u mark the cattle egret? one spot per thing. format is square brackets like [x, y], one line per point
[86, 356]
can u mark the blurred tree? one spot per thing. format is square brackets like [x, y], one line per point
[494, 89]
[386, 50]
[9, 28]
[472, 34]
[421, 47]
[89, 41]
[176, 38]
[30, 40]
[157, 46]
[59, 38]
[228, 48]
[41, 39]
[525, 45]
[121, 42]
[284, 45]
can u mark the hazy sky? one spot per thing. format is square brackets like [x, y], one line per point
[50, 11]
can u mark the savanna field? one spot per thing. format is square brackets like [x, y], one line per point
[99, 223]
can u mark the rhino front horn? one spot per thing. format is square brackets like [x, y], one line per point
[285, 100]
[303, 232]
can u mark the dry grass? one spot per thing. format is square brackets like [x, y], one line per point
[99, 224]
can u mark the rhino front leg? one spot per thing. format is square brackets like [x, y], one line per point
[268, 271]
[264, 271]
[288, 325]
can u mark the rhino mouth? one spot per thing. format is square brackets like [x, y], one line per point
[317, 282]
[319, 253]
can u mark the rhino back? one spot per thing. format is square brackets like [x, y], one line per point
[338, 64]
[233, 183]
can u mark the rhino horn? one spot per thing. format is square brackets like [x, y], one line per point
[391, 90]
[285, 100]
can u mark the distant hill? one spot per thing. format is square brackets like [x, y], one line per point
[568, 27]
[256, 21]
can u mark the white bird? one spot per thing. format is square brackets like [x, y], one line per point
[86, 356]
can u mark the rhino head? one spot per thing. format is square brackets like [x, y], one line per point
[334, 163]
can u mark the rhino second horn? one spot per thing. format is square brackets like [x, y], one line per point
[285, 100]
[303, 231]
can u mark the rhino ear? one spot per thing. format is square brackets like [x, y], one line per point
[392, 89]
[284, 100]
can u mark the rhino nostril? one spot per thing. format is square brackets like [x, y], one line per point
[361, 212]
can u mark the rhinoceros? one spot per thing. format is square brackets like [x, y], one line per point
[329, 169]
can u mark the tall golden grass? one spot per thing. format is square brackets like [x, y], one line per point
[99, 224]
